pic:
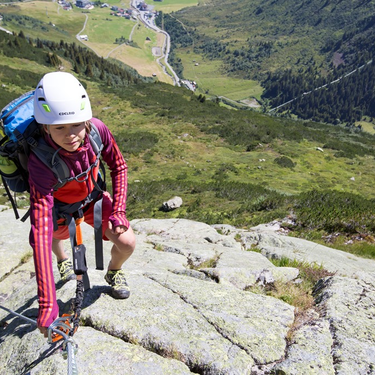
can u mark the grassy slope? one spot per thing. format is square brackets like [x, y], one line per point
[168, 6]
[184, 147]
[189, 154]
[210, 79]
[67, 24]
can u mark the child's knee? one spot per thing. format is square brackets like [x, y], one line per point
[127, 241]
[131, 240]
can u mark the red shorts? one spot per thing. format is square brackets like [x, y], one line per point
[63, 232]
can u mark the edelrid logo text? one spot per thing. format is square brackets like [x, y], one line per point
[66, 113]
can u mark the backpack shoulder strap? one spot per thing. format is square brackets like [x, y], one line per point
[96, 140]
[50, 157]
[97, 145]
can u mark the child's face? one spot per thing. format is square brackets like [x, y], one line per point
[67, 136]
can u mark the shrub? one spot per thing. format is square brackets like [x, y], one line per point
[334, 211]
[137, 142]
[285, 162]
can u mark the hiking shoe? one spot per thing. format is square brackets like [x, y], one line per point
[65, 268]
[116, 279]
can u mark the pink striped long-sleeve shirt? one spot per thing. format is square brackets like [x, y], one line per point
[41, 181]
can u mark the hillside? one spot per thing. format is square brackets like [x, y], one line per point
[312, 61]
[237, 167]
[289, 33]
[289, 48]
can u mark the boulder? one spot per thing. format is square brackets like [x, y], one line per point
[172, 204]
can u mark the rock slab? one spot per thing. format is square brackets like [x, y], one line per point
[191, 310]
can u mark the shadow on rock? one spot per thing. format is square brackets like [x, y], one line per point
[93, 294]
[51, 350]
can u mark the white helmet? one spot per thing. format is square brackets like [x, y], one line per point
[60, 98]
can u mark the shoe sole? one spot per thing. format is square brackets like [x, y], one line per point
[120, 295]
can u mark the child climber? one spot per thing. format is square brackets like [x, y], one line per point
[63, 110]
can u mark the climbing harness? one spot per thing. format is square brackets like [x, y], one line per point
[60, 329]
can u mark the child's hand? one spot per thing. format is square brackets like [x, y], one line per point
[43, 331]
[117, 230]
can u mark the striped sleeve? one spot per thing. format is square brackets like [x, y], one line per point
[118, 170]
[41, 241]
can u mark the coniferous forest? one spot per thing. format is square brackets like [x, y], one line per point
[345, 100]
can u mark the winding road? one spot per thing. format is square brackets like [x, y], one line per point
[149, 23]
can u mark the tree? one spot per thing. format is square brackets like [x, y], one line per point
[76, 68]
[89, 71]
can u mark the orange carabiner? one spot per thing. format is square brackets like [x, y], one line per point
[55, 336]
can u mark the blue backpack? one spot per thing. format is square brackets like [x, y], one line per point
[16, 120]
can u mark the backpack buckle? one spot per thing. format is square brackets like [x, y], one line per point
[32, 141]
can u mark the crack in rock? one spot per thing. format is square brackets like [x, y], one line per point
[216, 327]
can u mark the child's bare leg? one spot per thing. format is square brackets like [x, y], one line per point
[122, 249]
[65, 268]
[58, 249]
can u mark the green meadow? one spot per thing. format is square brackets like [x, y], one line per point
[212, 80]
[50, 21]
[105, 29]
[45, 20]
[368, 127]
[169, 6]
